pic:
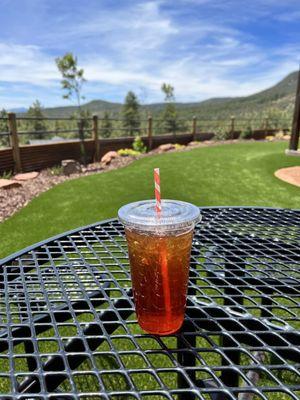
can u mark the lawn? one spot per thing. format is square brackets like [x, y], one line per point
[240, 174]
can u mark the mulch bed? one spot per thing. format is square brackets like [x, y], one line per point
[12, 200]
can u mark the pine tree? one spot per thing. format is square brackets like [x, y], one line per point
[4, 141]
[38, 124]
[169, 114]
[131, 114]
[106, 126]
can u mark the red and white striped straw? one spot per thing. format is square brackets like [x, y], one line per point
[157, 190]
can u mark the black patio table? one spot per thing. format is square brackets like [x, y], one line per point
[68, 328]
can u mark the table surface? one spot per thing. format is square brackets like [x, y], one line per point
[68, 328]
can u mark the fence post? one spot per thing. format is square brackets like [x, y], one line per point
[295, 133]
[194, 128]
[232, 126]
[149, 129]
[266, 126]
[14, 141]
[96, 137]
[81, 140]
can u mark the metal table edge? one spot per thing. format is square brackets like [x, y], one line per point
[48, 240]
[75, 230]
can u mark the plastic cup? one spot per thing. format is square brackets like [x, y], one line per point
[159, 247]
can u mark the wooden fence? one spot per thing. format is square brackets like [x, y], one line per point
[32, 157]
[37, 157]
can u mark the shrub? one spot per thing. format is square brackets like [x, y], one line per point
[56, 170]
[128, 152]
[270, 138]
[247, 133]
[138, 145]
[179, 146]
[6, 175]
[221, 132]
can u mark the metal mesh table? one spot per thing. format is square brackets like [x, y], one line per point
[68, 328]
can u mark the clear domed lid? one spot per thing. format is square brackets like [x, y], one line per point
[174, 215]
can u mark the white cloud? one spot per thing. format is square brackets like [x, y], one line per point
[135, 28]
[27, 64]
[144, 45]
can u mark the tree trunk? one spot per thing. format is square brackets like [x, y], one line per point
[83, 159]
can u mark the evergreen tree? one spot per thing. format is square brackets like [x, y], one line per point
[131, 114]
[106, 125]
[169, 114]
[57, 127]
[4, 141]
[38, 124]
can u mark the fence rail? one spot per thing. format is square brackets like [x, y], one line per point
[21, 156]
[49, 132]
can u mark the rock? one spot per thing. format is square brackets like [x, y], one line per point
[9, 184]
[166, 147]
[70, 167]
[286, 137]
[295, 153]
[193, 144]
[26, 177]
[108, 157]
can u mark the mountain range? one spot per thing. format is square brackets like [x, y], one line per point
[279, 97]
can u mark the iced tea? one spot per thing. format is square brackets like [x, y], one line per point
[159, 273]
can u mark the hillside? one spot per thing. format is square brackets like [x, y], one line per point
[95, 107]
[279, 97]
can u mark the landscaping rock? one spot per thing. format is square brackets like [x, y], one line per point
[293, 153]
[9, 184]
[70, 167]
[193, 144]
[108, 157]
[14, 199]
[166, 147]
[26, 177]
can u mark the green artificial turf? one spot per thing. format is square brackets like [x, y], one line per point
[239, 174]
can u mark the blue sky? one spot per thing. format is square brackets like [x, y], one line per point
[204, 48]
